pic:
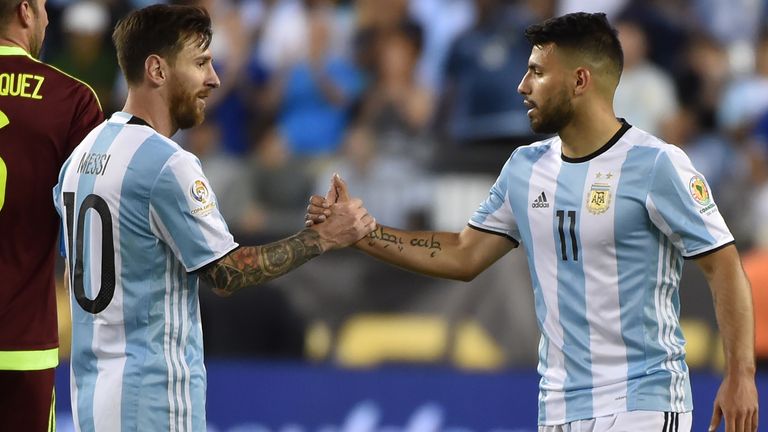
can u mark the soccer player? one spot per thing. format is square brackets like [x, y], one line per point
[606, 213]
[142, 227]
[44, 114]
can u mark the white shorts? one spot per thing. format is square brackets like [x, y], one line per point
[631, 421]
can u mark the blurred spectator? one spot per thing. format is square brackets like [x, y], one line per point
[702, 78]
[278, 185]
[671, 24]
[374, 18]
[85, 53]
[480, 103]
[282, 33]
[646, 93]
[392, 188]
[612, 8]
[711, 153]
[747, 97]
[312, 98]
[398, 109]
[442, 21]
[730, 21]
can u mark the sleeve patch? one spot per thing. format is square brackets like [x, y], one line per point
[200, 200]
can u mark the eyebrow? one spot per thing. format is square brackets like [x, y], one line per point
[534, 65]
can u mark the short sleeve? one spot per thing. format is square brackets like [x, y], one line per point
[495, 215]
[681, 205]
[185, 215]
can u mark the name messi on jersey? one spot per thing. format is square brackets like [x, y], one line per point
[93, 163]
[21, 85]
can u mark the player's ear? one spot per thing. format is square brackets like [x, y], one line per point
[156, 69]
[583, 77]
[26, 14]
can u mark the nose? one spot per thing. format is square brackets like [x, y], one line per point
[523, 88]
[213, 79]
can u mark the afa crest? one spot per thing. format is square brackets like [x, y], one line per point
[699, 190]
[599, 198]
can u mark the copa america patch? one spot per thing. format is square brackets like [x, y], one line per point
[202, 204]
[699, 191]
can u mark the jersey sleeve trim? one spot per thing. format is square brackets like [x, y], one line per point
[213, 259]
[709, 251]
[98, 102]
[500, 234]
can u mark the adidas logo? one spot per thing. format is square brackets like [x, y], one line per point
[540, 202]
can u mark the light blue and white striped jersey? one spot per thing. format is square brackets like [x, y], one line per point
[605, 238]
[139, 217]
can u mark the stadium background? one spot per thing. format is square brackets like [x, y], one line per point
[414, 102]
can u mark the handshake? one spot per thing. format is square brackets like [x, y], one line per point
[339, 220]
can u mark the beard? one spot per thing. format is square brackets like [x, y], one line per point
[185, 112]
[553, 119]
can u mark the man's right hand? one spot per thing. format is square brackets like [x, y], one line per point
[339, 220]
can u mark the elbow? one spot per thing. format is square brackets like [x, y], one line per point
[466, 278]
[221, 292]
[466, 275]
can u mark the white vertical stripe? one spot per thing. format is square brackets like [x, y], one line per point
[175, 340]
[601, 284]
[677, 349]
[167, 343]
[665, 316]
[184, 338]
[544, 173]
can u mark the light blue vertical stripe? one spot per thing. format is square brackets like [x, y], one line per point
[85, 363]
[571, 293]
[637, 265]
[143, 276]
[517, 184]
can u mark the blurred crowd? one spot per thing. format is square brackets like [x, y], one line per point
[402, 97]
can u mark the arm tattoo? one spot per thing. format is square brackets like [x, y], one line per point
[385, 238]
[253, 265]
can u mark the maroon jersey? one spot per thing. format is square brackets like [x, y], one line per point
[44, 114]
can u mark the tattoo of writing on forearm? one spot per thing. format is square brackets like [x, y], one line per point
[380, 235]
[249, 266]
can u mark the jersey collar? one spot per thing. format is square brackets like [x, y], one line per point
[12, 50]
[620, 133]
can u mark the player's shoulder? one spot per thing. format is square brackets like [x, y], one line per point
[535, 150]
[640, 139]
[61, 79]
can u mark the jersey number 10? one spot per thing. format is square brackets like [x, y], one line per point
[107, 290]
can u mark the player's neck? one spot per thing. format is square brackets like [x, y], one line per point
[150, 107]
[14, 39]
[587, 132]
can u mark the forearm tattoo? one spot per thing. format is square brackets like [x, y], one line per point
[253, 265]
[384, 238]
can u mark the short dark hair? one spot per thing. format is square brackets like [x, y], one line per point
[160, 29]
[589, 34]
[8, 8]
